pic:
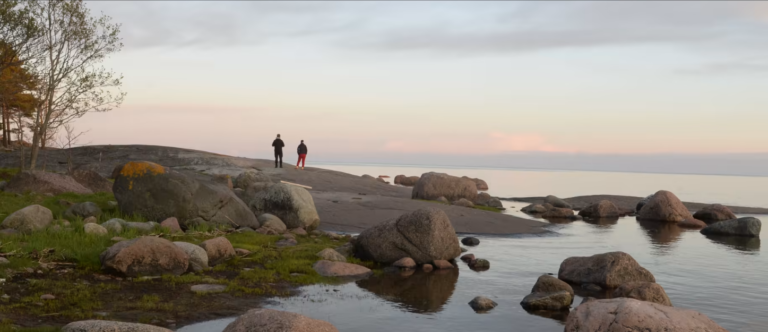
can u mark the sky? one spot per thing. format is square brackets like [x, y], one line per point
[455, 82]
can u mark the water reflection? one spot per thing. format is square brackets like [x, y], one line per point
[557, 315]
[419, 292]
[741, 243]
[602, 222]
[662, 233]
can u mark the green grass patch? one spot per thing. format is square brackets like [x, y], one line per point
[7, 173]
[73, 300]
[7, 326]
[488, 208]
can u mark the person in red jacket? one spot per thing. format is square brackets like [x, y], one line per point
[302, 150]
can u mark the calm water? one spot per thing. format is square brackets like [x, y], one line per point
[723, 278]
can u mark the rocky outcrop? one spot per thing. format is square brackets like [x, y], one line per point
[110, 326]
[29, 219]
[482, 303]
[557, 202]
[558, 213]
[643, 291]
[292, 204]
[549, 293]
[714, 213]
[463, 203]
[44, 183]
[534, 209]
[198, 258]
[272, 222]
[341, 269]
[608, 270]
[425, 235]
[664, 206]
[218, 249]
[747, 226]
[157, 193]
[432, 186]
[82, 210]
[602, 209]
[92, 180]
[145, 256]
[625, 314]
[408, 181]
[479, 183]
[268, 320]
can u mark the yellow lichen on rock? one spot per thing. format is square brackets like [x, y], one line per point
[141, 168]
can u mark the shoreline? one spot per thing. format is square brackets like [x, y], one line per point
[629, 202]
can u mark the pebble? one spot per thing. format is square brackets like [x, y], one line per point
[47, 297]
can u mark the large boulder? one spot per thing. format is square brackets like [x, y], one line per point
[549, 293]
[425, 235]
[82, 210]
[602, 209]
[268, 320]
[714, 213]
[747, 226]
[110, 326]
[534, 209]
[292, 204]
[92, 180]
[408, 181]
[198, 257]
[664, 206]
[145, 256]
[253, 180]
[158, 193]
[29, 219]
[624, 314]
[557, 202]
[218, 249]
[643, 291]
[432, 186]
[44, 183]
[608, 270]
[479, 183]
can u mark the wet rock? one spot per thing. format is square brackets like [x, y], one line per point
[42, 182]
[109, 326]
[286, 243]
[208, 288]
[340, 269]
[558, 213]
[268, 320]
[92, 180]
[602, 209]
[479, 183]
[747, 226]
[692, 223]
[468, 258]
[171, 224]
[94, 229]
[29, 219]
[664, 206]
[547, 301]
[83, 210]
[549, 284]
[427, 267]
[405, 262]
[292, 204]
[557, 202]
[432, 186]
[481, 303]
[198, 257]
[218, 249]
[714, 213]
[534, 209]
[408, 181]
[442, 264]
[632, 315]
[643, 291]
[463, 203]
[271, 221]
[479, 264]
[591, 287]
[115, 225]
[470, 241]
[425, 235]
[146, 256]
[331, 255]
[608, 270]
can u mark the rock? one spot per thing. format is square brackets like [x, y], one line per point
[253, 180]
[245, 230]
[602, 209]
[408, 181]
[224, 179]
[368, 177]
[172, 224]
[642, 203]
[347, 250]
[141, 227]
[341, 269]
[286, 243]
[463, 202]
[268, 320]
[90, 220]
[115, 225]
[481, 303]
[496, 203]
[747, 226]
[43, 182]
[4, 261]
[9, 231]
[158, 193]
[432, 186]
[331, 255]
[271, 221]
[470, 241]
[534, 209]
[92, 180]
[29, 219]
[479, 184]
[587, 299]
[83, 210]
[483, 199]
[3, 184]
[298, 231]
[443, 200]
[714, 213]
[480, 264]
[96, 229]
[267, 231]
[643, 291]
[558, 213]
[110, 326]
[427, 267]
[405, 263]
[664, 206]
[468, 258]
[549, 284]
[145, 256]
[198, 257]
[292, 204]
[625, 314]
[557, 202]
[425, 235]
[47, 297]
[208, 288]
[608, 270]
[218, 249]
[547, 301]
[591, 287]
[692, 223]
[442, 264]
[382, 180]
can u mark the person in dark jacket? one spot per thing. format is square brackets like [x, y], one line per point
[278, 144]
[302, 150]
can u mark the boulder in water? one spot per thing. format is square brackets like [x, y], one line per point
[432, 186]
[29, 219]
[44, 183]
[268, 320]
[482, 303]
[665, 206]
[747, 226]
[558, 213]
[608, 270]
[714, 213]
[292, 204]
[470, 241]
[145, 256]
[549, 293]
[602, 209]
[534, 209]
[557, 202]
[643, 291]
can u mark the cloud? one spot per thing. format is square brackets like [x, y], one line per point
[744, 66]
[492, 143]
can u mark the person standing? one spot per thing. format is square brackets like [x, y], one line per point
[278, 144]
[302, 150]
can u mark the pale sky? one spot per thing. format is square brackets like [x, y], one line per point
[405, 78]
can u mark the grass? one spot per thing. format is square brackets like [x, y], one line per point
[7, 326]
